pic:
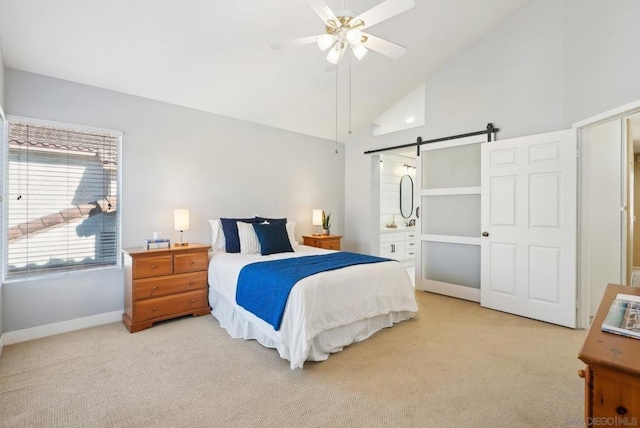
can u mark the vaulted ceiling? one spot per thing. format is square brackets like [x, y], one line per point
[216, 56]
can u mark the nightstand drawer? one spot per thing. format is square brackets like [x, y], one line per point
[330, 244]
[170, 305]
[144, 267]
[155, 287]
[190, 262]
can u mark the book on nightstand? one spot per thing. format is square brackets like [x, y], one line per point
[624, 316]
[151, 244]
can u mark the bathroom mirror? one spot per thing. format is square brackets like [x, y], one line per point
[406, 196]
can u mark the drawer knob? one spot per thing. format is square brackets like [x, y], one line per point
[581, 373]
[192, 300]
[153, 266]
[155, 308]
[192, 282]
[621, 410]
[154, 288]
[192, 262]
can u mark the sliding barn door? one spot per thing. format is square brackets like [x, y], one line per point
[529, 223]
[448, 253]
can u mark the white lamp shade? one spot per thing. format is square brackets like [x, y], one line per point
[334, 55]
[359, 51]
[354, 36]
[325, 41]
[317, 218]
[181, 219]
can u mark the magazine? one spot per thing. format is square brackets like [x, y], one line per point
[624, 316]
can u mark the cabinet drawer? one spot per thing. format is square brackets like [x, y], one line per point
[410, 254]
[144, 267]
[169, 305]
[391, 237]
[615, 394]
[155, 287]
[330, 245]
[410, 236]
[190, 262]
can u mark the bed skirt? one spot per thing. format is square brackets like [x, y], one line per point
[241, 324]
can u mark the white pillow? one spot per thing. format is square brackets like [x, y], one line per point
[291, 231]
[249, 243]
[217, 235]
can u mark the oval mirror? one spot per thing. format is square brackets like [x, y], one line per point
[406, 196]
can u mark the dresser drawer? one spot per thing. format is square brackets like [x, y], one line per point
[410, 236]
[155, 287]
[410, 253]
[170, 305]
[190, 262]
[615, 394]
[330, 244]
[144, 267]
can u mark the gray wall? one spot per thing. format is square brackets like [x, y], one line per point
[548, 66]
[172, 157]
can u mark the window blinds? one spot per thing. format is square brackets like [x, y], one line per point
[62, 200]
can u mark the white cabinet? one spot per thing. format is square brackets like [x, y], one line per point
[398, 246]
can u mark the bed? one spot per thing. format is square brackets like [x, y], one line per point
[324, 312]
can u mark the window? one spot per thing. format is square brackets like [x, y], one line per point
[62, 199]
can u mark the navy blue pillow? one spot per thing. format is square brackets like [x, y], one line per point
[273, 238]
[230, 229]
[270, 220]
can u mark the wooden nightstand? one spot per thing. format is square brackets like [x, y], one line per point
[329, 242]
[612, 375]
[164, 283]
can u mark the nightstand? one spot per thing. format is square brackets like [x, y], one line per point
[329, 242]
[164, 283]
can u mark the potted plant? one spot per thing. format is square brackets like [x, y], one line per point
[326, 223]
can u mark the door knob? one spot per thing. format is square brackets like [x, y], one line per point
[485, 234]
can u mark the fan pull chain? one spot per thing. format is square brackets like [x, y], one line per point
[350, 59]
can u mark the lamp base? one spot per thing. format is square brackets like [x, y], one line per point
[181, 244]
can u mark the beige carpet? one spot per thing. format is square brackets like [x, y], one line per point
[455, 365]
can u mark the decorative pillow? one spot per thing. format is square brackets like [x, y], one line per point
[230, 229]
[249, 243]
[273, 238]
[291, 227]
[217, 235]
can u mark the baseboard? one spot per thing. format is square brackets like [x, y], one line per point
[1, 343]
[17, 336]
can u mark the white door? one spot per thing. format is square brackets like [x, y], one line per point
[529, 223]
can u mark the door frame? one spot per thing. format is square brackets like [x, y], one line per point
[583, 246]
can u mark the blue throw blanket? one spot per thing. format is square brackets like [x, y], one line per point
[264, 287]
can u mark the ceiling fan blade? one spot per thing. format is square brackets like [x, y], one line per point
[324, 12]
[384, 47]
[295, 42]
[384, 10]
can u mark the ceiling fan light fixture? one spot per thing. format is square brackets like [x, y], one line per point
[359, 51]
[325, 41]
[334, 54]
[354, 36]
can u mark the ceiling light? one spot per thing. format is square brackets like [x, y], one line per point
[334, 54]
[325, 41]
[354, 36]
[410, 119]
[359, 51]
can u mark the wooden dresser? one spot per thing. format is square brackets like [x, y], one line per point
[329, 242]
[612, 375]
[164, 283]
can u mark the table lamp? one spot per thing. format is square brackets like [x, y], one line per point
[317, 220]
[181, 223]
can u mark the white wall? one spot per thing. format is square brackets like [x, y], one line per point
[173, 157]
[549, 65]
[1, 178]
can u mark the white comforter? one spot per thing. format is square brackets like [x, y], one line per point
[319, 302]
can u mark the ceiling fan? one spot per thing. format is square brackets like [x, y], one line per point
[345, 30]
